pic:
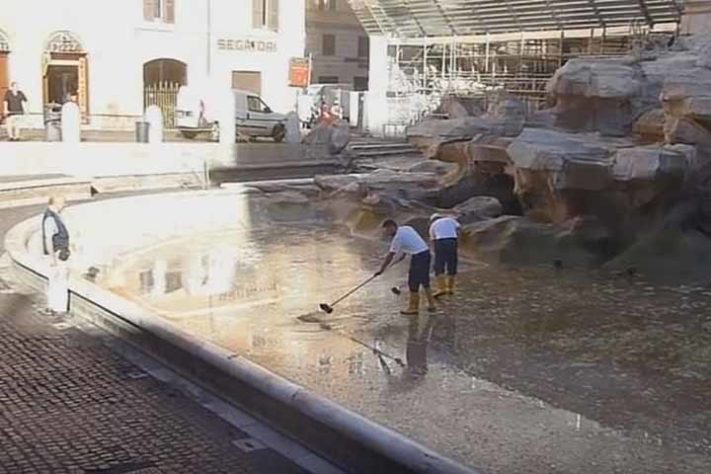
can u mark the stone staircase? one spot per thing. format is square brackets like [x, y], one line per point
[371, 148]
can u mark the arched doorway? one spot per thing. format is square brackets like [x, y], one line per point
[162, 79]
[4, 66]
[65, 72]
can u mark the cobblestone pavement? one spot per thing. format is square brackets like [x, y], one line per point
[70, 404]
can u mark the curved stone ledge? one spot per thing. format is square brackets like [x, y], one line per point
[346, 438]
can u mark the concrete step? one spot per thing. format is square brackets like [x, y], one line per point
[396, 152]
[25, 191]
[368, 146]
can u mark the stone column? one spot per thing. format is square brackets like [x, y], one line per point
[226, 116]
[71, 123]
[293, 128]
[160, 268]
[154, 116]
[379, 77]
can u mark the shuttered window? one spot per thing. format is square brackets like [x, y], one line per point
[363, 46]
[328, 46]
[265, 14]
[159, 10]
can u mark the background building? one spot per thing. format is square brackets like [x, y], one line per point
[338, 44]
[697, 17]
[117, 56]
[474, 48]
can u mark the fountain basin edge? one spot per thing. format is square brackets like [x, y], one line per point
[349, 440]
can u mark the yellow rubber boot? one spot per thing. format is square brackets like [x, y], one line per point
[431, 306]
[450, 284]
[413, 307]
[441, 284]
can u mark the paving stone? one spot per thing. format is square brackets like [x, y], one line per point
[68, 405]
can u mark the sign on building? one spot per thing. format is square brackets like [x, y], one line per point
[247, 45]
[299, 72]
[64, 42]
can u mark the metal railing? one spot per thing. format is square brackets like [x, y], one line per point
[165, 96]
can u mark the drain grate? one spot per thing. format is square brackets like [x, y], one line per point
[61, 326]
[248, 445]
[136, 374]
[143, 467]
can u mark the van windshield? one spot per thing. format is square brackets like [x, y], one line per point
[255, 104]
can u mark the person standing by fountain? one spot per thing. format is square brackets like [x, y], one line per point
[14, 108]
[55, 242]
[444, 232]
[407, 241]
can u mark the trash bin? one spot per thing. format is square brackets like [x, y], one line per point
[53, 123]
[142, 132]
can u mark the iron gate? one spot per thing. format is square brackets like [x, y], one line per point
[165, 96]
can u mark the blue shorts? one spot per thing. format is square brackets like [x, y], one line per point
[419, 271]
[446, 257]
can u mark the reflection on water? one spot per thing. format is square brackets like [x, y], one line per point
[418, 336]
[529, 330]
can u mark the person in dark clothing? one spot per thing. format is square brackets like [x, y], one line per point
[55, 242]
[13, 109]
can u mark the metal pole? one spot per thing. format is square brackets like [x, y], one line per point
[209, 37]
[424, 64]
[486, 58]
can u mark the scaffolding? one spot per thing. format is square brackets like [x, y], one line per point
[479, 48]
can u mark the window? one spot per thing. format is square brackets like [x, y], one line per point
[331, 5]
[159, 10]
[265, 14]
[360, 83]
[363, 47]
[328, 47]
[255, 104]
[250, 81]
[328, 79]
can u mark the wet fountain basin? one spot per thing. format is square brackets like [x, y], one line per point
[572, 350]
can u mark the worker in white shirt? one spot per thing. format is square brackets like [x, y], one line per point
[444, 233]
[407, 241]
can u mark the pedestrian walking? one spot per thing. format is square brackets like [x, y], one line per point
[406, 241]
[13, 110]
[55, 242]
[444, 233]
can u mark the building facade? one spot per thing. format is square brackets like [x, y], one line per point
[420, 55]
[697, 17]
[337, 43]
[115, 57]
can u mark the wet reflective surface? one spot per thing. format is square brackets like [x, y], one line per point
[535, 370]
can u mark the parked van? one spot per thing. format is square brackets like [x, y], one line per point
[196, 113]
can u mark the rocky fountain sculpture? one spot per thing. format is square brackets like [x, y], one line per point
[616, 172]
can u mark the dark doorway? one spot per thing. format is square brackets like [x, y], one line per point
[169, 71]
[62, 84]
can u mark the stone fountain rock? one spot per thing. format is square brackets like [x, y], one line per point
[504, 118]
[478, 208]
[626, 144]
[331, 137]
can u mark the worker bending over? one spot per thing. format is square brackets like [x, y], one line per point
[407, 241]
[444, 232]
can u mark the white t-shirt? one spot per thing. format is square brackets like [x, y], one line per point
[444, 228]
[408, 241]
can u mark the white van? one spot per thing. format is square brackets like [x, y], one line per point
[197, 114]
